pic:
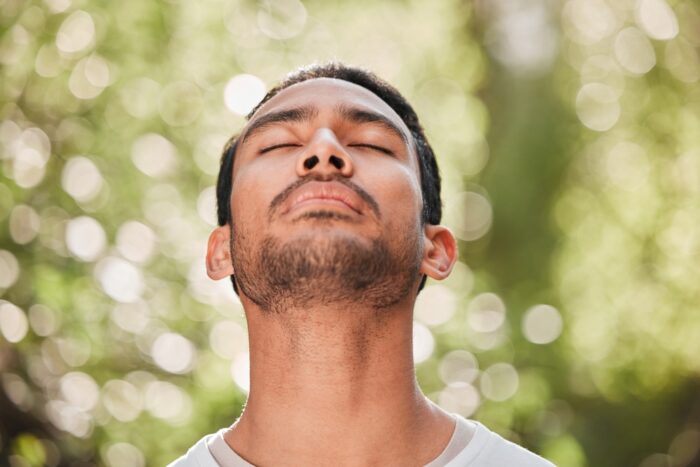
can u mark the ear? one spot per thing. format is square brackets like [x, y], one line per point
[219, 264]
[439, 253]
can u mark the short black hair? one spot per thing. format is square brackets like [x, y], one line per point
[429, 174]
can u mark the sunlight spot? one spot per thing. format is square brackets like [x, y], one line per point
[206, 206]
[120, 279]
[43, 320]
[173, 353]
[81, 179]
[124, 455]
[228, 339]
[459, 397]
[240, 371]
[435, 305]
[154, 155]
[423, 342]
[486, 313]
[657, 19]
[85, 238]
[122, 400]
[9, 269]
[76, 33]
[89, 77]
[68, 418]
[243, 92]
[136, 241]
[470, 214]
[542, 324]
[634, 51]
[597, 106]
[166, 401]
[499, 382]
[13, 322]
[79, 390]
[458, 366]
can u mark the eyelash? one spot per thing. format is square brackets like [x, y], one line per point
[292, 145]
[278, 146]
[372, 146]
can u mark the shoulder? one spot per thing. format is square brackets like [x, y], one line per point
[489, 449]
[197, 456]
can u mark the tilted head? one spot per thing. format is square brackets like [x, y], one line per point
[393, 112]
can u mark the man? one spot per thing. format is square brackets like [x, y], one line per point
[329, 211]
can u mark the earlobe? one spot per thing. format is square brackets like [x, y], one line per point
[219, 263]
[440, 252]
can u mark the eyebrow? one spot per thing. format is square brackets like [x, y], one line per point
[295, 115]
[359, 115]
[307, 113]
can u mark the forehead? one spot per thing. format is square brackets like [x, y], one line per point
[326, 94]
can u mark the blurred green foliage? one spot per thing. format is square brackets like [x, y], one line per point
[568, 135]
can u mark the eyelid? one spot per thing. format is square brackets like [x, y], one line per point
[277, 146]
[373, 146]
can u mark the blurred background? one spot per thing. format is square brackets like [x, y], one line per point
[568, 135]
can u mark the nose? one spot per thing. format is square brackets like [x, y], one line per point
[325, 156]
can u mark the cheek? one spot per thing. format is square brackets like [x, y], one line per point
[252, 191]
[398, 190]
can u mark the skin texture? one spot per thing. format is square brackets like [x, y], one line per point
[328, 250]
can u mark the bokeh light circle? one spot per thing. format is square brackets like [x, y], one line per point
[123, 454]
[166, 401]
[154, 155]
[136, 241]
[9, 269]
[81, 179]
[77, 32]
[13, 322]
[122, 400]
[80, 390]
[435, 305]
[423, 342]
[499, 382]
[657, 19]
[471, 215]
[597, 106]
[85, 238]
[24, 224]
[459, 397]
[173, 353]
[119, 279]
[542, 324]
[243, 92]
[486, 312]
[458, 366]
[240, 371]
[634, 51]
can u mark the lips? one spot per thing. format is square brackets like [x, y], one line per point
[326, 193]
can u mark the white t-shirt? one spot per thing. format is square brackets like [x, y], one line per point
[485, 449]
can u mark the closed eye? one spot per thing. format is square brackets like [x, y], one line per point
[374, 147]
[278, 146]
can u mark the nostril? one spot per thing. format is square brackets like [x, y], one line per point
[337, 162]
[310, 162]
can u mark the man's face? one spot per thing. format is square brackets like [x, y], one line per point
[326, 193]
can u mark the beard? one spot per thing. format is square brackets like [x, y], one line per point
[326, 268]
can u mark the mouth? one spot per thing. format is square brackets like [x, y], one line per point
[325, 195]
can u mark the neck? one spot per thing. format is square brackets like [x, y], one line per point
[336, 383]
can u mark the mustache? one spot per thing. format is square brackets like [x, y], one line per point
[280, 198]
